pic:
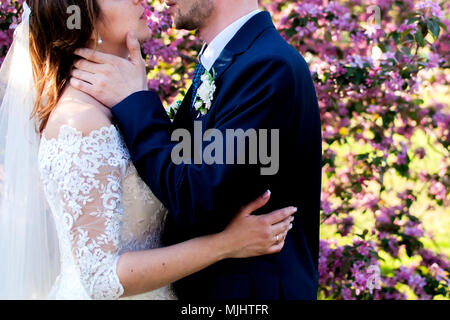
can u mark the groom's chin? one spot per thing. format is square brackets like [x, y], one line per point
[185, 27]
[183, 23]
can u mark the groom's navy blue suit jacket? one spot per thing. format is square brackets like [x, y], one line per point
[262, 83]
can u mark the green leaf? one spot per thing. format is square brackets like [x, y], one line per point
[362, 156]
[293, 15]
[358, 77]
[443, 25]
[418, 101]
[413, 20]
[405, 50]
[434, 27]
[358, 188]
[405, 33]
[290, 32]
[419, 38]
[396, 37]
[303, 22]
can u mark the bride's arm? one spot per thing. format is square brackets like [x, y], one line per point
[246, 236]
[89, 169]
[94, 204]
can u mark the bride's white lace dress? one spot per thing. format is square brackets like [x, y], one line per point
[101, 208]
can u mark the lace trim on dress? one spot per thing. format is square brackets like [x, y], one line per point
[84, 175]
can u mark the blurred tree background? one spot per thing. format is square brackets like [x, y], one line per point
[381, 70]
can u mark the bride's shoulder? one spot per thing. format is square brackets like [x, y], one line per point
[82, 113]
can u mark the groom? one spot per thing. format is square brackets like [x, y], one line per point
[261, 83]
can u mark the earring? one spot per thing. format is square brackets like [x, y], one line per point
[100, 41]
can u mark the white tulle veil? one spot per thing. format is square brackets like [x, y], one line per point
[29, 257]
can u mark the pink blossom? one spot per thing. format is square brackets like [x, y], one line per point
[434, 60]
[414, 231]
[431, 8]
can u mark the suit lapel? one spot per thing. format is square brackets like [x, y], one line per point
[240, 43]
[183, 116]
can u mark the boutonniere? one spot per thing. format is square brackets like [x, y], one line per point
[205, 93]
[173, 109]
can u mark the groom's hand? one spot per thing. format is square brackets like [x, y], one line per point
[109, 78]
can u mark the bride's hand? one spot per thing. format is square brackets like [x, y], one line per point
[109, 78]
[249, 235]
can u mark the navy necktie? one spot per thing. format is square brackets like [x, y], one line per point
[197, 81]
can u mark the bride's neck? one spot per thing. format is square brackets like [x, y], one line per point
[114, 49]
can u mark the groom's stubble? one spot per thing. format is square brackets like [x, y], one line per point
[192, 14]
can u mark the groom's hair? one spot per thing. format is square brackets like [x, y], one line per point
[52, 46]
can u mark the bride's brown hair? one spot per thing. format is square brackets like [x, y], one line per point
[52, 46]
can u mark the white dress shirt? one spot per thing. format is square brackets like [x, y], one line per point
[209, 55]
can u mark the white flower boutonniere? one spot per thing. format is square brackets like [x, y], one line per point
[205, 93]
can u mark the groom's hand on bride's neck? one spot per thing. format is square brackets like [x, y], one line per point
[109, 78]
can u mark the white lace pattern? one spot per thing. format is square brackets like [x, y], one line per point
[101, 208]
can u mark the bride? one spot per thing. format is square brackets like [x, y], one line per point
[76, 221]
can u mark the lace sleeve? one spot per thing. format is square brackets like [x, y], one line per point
[91, 192]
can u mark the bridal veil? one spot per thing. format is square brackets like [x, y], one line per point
[29, 257]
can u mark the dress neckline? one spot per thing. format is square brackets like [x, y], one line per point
[67, 128]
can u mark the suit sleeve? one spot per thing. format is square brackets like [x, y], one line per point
[191, 191]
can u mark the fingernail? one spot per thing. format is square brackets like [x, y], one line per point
[266, 194]
[294, 209]
[292, 219]
[290, 226]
